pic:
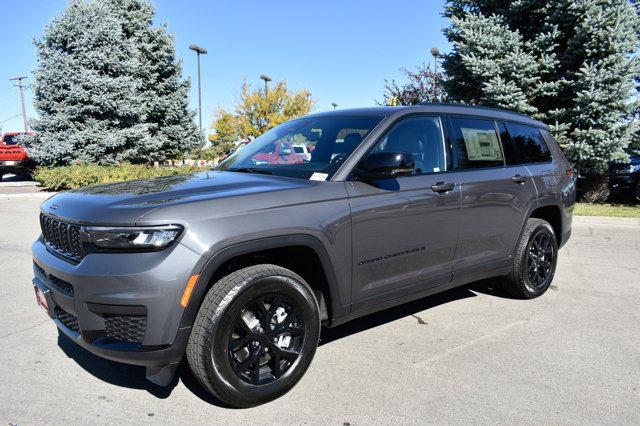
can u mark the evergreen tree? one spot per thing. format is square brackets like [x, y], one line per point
[108, 88]
[569, 63]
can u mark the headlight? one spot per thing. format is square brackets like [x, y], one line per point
[136, 238]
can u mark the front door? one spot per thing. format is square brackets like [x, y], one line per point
[405, 229]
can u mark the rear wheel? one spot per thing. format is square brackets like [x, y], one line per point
[534, 263]
[255, 335]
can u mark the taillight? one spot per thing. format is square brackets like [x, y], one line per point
[570, 173]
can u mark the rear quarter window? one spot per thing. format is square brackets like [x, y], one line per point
[477, 143]
[529, 143]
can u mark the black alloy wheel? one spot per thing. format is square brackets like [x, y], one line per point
[255, 335]
[266, 339]
[540, 259]
[534, 261]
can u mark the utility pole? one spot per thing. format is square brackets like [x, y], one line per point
[21, 86]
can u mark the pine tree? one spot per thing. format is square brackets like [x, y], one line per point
[569, 63]
[108, 88]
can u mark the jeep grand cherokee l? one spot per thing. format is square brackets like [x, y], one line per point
[238, 268]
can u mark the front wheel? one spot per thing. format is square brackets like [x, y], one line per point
[255, 335]
[534, 263]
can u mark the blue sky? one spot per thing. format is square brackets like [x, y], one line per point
[341, 50]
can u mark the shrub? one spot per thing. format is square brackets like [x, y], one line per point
[79, 175]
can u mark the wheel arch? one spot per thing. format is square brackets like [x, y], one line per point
[272, 249]
[549, 211]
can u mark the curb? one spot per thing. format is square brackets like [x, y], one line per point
[606, 220]
[41, 195]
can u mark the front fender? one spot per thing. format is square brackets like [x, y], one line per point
[339, 289]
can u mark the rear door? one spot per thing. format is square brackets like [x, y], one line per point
[405, 229]
[496, 193]
[536, 156]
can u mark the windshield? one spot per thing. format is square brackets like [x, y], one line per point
[328, 142]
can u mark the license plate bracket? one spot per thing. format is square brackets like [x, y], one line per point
[43, 300]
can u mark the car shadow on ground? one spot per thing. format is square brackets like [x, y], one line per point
[16, 178]
[133, 377]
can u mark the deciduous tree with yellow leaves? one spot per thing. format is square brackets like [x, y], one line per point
[256, 112]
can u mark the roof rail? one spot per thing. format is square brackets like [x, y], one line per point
[474, 106]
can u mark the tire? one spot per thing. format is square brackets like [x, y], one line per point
[252, 312]
[534, 263]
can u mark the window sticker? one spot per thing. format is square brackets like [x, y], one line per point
[482, 145]
[319, 176]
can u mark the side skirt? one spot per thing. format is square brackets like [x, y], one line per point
[370, 305]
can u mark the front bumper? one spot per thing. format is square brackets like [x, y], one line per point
[622, 184]
[121, 306]
[16, 167]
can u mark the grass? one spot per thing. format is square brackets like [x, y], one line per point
[606, 209]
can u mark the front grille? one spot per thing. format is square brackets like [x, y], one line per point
[125, 328]
[61, 236]
[61, 285]
[69, 321]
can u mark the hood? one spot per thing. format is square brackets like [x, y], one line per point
[124, 203]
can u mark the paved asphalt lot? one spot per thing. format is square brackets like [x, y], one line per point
[465, 356]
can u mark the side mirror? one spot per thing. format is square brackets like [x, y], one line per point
[385, 165]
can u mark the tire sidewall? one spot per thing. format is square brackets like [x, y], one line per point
[531, 289]
[217, 364]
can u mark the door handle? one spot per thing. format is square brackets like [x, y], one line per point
[519, 179]
[441, 187]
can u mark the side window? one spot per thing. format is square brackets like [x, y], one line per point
[421, 137]
[477, 143]
[510, 154]
[529, 143]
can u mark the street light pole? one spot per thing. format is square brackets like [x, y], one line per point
[199, 51]
[266, 79]
[21, 86]
[435, 52]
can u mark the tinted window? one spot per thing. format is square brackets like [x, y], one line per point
[10, 140]
[422, 138]
[529, 143]
[477, 143]
[510, 154]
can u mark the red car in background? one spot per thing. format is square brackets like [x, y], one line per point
[13, 157]
[279, 153]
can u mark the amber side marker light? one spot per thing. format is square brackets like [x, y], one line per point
[188, 290]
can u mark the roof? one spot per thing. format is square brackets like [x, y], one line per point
[441, 108]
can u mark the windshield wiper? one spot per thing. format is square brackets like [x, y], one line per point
[251, 170]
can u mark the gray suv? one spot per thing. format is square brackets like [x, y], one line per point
[240, 267]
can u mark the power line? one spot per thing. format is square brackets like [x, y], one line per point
[10, 118]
